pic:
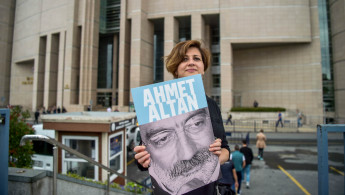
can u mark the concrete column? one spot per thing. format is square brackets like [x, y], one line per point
[170, 39]
[141, 47]
[61, 66]
[226, 80]
[89, 53]
[124, 59]
[38, 83]
[338, 36]
[197, 27]
[115, 70]
[47, 102]
[71, 51]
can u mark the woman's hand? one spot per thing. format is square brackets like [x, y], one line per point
[222, 153]
[215, 148]
[142, 156]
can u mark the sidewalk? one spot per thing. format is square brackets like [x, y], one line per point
[287, 129]
[285, 138]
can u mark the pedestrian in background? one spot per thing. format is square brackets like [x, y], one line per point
[256, 104]
[299, 118]
[229, 119]
[44, 110]
[239, 162]
[228, 184]
[248, 155]
[261, 143]
[37, 114]
[280, 120]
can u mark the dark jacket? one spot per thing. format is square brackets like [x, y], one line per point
[217, 122]
[248, 154]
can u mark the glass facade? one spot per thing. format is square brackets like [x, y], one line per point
[158, 44]
[326, 56]
[104, 99]
[110, 16]
[184, 28]
[215, 50]
[105, 63]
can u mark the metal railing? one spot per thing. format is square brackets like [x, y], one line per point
[57, 145]
[254, 125]
[322, 147]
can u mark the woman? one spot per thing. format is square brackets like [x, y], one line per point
[261, 143]
[186, 59]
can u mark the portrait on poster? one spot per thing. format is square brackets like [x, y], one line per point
[176, 128]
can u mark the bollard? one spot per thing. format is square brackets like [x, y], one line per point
[4, 141]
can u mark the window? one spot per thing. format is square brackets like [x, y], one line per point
[105, 62]
[104, 99]
[215, 59]
[216, 80]
[116, 153]
[158, 51]
[87, 145]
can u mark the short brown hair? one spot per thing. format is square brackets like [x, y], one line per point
[177, 54]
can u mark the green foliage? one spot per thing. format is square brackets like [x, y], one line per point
[19, 156]
[133, 187]
[257, 109]
[129, 187]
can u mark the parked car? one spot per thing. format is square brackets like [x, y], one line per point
[133, 137]
[43, 157]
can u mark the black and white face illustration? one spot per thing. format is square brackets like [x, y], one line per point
[179, 149]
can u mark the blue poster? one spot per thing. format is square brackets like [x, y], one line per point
[176, 128]
[167, 99]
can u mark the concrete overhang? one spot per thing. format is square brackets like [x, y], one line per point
[88, 121]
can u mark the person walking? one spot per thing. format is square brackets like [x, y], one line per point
[248, 154]
[256, 104]
[228, 184]
[37, 114]
[280, 120]
[299, 118]
[261, 143]
[229, 119]
[239, 162]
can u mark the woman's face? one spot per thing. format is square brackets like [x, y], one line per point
[192, 64]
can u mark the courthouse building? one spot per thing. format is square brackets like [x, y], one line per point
[73, 53]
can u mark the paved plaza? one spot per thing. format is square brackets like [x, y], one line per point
[289, 165]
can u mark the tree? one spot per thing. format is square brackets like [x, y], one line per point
[19, 156]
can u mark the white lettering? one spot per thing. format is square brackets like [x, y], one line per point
[181, 89]
[161, 110]
[159, 94]
[171, 91]
[148, 98]
[182, 107]
[153, 113]
[192, 102]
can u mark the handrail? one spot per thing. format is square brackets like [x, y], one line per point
[70, 150]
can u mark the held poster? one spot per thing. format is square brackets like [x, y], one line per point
[175, 127]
